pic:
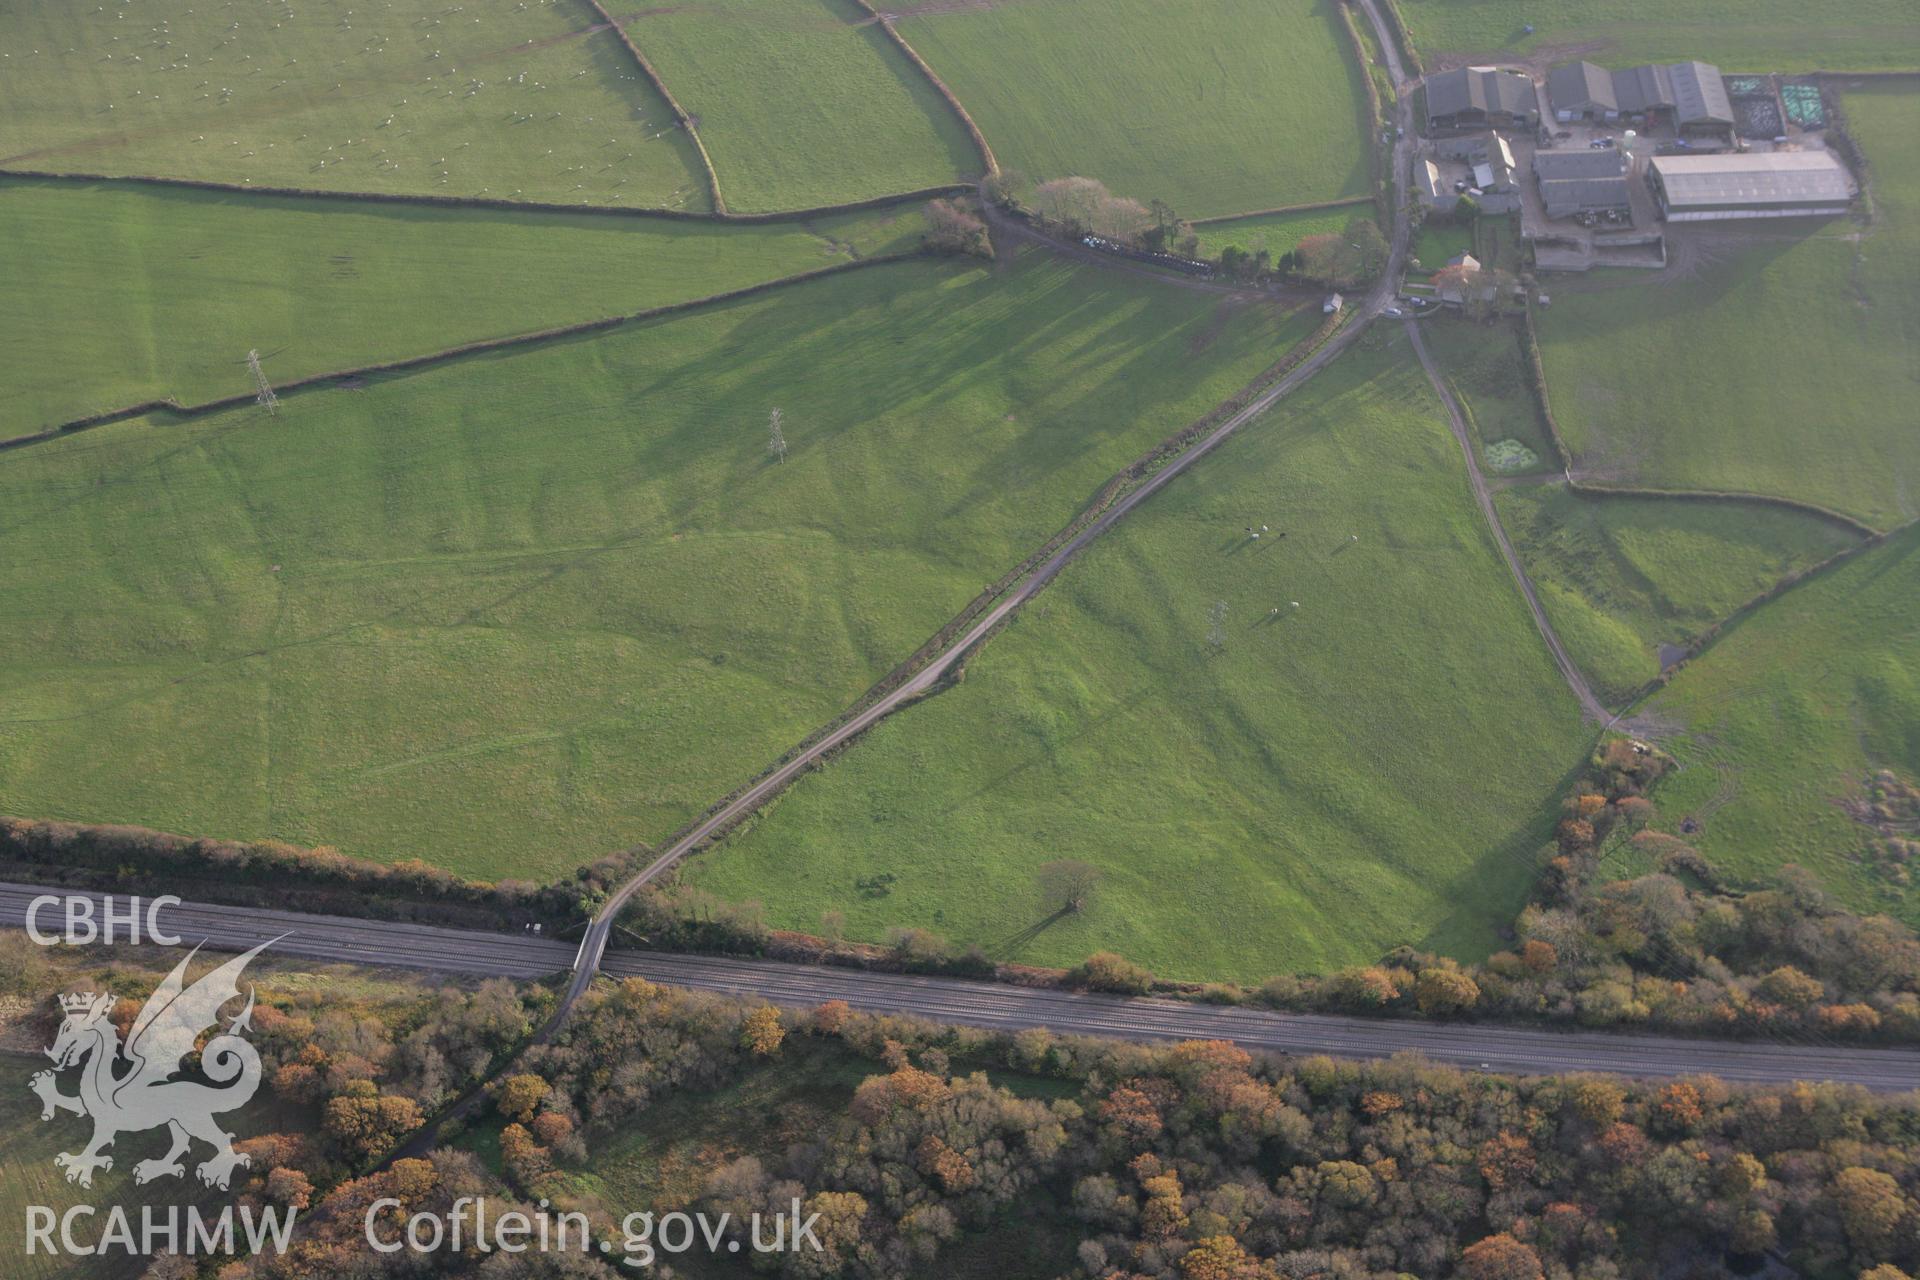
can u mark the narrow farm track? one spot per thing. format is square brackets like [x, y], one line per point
[1516, 1050]
[1569, 671]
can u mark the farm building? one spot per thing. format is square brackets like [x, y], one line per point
[1689, 95]
[1433, 188]
[1776, 184]
[1582, 91]
[1699, 96]
[1576, 182]
[1481, 98]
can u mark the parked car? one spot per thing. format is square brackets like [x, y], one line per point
[1393, 313]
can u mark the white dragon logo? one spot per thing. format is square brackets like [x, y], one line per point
[130, 1088]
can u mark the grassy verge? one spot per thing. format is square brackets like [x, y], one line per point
[803, 102]
[1784, 367]
[529, 101]
[1390, 741]
[137, 293]
[510, 613]
[1222, 108]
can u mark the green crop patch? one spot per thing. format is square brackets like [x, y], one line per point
[1277, 233]
[803, 102]
[1246, 735]
[1783, 366]
[134, 293]
[1781, 723]
[1623, 577]
[532, 101]
[1218, 108]
[511, 612]
[1739, 35]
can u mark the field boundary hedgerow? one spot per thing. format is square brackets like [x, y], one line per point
[479, 347]
[1376, 122]
[496, 204]
[940, 87]
[1312, 206]
[680, 114]
[1537, 384]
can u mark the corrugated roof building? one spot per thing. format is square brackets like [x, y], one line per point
[1774, 184]
[1582, 91]
[1481, 97]
[1699, 95]
[1577, 182]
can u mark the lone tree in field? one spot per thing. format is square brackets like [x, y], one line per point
[952, 229]
[1068, 882]
[265, 399]
[776, 438]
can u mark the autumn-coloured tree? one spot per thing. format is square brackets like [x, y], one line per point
[1445, 990]
[1500, 1257]
[1507, 1160]
[290, 1187]
[365, 1122]
[1871, 1207]
[519, 1095]
[761, 1033]
[829, 1018]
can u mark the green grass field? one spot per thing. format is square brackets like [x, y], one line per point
[803, 102]
[1220, 108]
[1620, 577]
[1785, 716]
[1275, 232]
[524, 102]
[135, 293]
[512, 612]
[1395, 741]
[1786, 367]
[1740, 35]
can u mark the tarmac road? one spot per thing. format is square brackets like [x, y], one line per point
[1517, 1050]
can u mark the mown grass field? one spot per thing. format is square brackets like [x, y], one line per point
[803, 102]
[1740, 35]
[1620, 577]
[1786, 367]
[1220, 108]
[1782, 720]
[120, 294]
[527, 101]
[514, 611]
[1373, 767]
[1276, 232]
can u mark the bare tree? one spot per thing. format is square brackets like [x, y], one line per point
[776, 438]
[1068, 882]
[952, 229]
[265, 399]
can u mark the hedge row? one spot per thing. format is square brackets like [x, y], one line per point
[1278, 210]
[492, 203]
[680, 113]
[939, 86]
[1402, 39]
[173, 406]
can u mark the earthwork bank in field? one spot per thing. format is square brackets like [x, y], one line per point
[514, 611]
[1284, 753]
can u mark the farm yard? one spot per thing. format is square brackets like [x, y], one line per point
[136, 293]
[1233, 764]
[855, 118]
[528, 102]
[510, 611]
[1781, 723]
[1235, 107]
[1738, 35]
[1784, 366]
[1623, 577]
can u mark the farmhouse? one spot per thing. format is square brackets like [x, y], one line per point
[1582, 91]
[1775, 184]
[1481, 98]
[1579, 182]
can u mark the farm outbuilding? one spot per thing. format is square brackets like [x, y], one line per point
[1582, 91]
[1699, 96]
[1775, 184]
[1482, 98]
[1576, 182]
